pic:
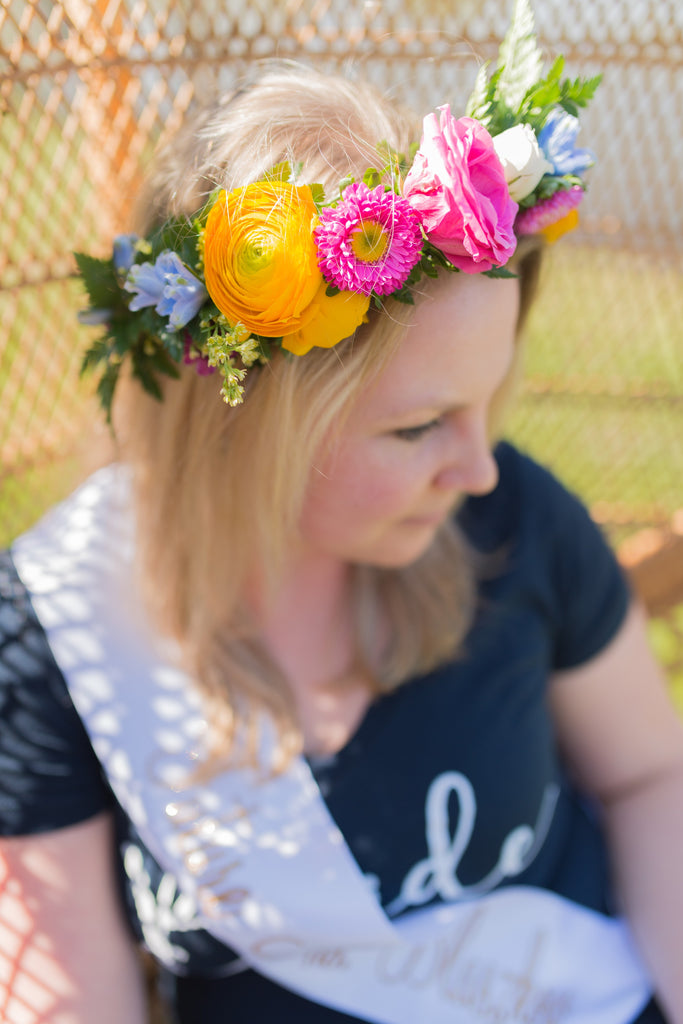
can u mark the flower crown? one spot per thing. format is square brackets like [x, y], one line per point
[279, 262]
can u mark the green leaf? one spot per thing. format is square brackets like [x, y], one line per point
[99, 352]
[413, 277]
[405, 296]
[395, 163]
[545, 94]
[284, 171]
[547, 187]
[125, 332]
[107, 386]
[579, 91]
[520, 60]
[173, 344]
[372, 177]
[499, 272]
[318, 193]
[331, 291]
[388, 153]
[200, 218]
[556, 69]
[165, 363]
[280, 172]
[479, 103]
[433, 260]
[99, 279]
[180, 236]
[345, 182]
[143, 372]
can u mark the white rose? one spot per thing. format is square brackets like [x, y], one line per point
[522, 160]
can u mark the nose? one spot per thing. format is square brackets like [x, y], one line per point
[468, 463]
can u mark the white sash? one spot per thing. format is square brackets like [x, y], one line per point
[264, 861]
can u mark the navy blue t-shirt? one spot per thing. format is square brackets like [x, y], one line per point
[474, 732]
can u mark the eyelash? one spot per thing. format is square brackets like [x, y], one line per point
[415, 433]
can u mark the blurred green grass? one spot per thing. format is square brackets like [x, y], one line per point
[603, 399]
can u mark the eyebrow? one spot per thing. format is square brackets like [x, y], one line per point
[417, 416]
[434, 405]
[433, 408]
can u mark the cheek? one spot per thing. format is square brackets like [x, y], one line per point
[348, 488]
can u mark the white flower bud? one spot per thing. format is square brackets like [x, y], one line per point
[522, 159]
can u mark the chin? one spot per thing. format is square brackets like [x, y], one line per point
[402, 551]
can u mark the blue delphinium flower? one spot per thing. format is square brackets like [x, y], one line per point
[557, 139]
[184, 294]
[167, 285]
[146, 281]
[124, 253]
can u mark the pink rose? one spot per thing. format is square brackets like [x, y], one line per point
[457, 187]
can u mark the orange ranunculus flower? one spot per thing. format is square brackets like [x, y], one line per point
[332, 318]
[260, 259]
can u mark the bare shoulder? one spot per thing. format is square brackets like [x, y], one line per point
[614, 718]
[67, 954]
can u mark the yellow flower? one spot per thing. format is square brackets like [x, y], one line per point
[332, 318]
[260, 260]
[560, 227]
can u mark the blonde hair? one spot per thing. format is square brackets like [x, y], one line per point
[218, 488]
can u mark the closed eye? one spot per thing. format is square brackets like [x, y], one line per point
[415, 433]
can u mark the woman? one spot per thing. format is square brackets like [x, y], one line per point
[329, 703]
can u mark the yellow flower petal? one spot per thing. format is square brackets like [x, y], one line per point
[332, 318]
[560, 227]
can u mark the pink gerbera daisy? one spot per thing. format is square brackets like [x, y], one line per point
[536, 218]
[369, 242]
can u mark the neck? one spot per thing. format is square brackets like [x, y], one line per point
[307, 626]
[305, 619]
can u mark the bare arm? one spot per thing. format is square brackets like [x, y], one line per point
[624, 741]
[65, 954]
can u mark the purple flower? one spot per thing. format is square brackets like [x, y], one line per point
[167, 285]
[124, 253]
[557, 139]
[369, 242]
[541, 218]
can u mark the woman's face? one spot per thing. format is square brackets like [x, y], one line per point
[416, 440]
